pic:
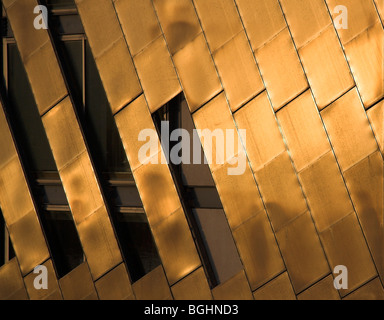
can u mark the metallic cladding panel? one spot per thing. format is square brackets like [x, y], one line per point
[193, 287]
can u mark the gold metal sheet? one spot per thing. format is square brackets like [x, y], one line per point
[139, 23]
[306, 19]
[348, 129]
[81, 187]
[236, 288]
[279, 288]
[220, 21]
[179, 22]
[345, 245]
[326, 68]
[302, 252]
[322, 290]
[326, 193]
[63, 132]
[264, 140]
[238, 70]
[262, 20]
[115, 285]
[118, 75]
[280, 190]
[176, 246]
[10, 280]
[78, 284]
[197, 72]
[366, 55]
[20, 294]
[365, 183]
[153, 286]
[192, 287]
[99, 243]
[303, 130]
[157, 74]
[55, 295]
[376, 118]
[258, 250]
[281, 70]
[380, 8]
[7, 145]
[373, 290]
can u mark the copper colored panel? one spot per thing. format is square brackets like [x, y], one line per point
[20, 294]
[348, 129]
[139, 23]
[281, 70]
[366, 55]
[192, 287]
[373, 290]
[99, 243]
[345, 245]
[197, 72]
[306, 19]
[262, 19]
[157, 74]
[302, 252]
[279, 288]
[361, 15]
[326, 67]
[115, 285]
[238, 193]
[365, 183]
[11, 282]
[55, 295]
[238, 71]
[220, 21]
[281, 191]
[153, 286]
[258, 250]
[236, 288]
[176, 247]
[303, 130]
[42, 294]
[322, 290]
[264, 140]
[118, 75]
[78, 284]
[376, 118]
[7, 145]
[380, 8]
[326, 193]
[70, 142]
[179, 22]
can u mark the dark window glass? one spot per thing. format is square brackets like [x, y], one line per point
[6, 248]
[61, 4]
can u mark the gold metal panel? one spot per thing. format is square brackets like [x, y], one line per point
[239, 195]
[220, 21]
[78, 284]
[53, 284]
[7, 145]
[157, 74]
[345, 245]
[279, 288]
[153, 286]
[118, 75]
[139, 23]
[115, 285]
[326, 193]
[365, 183]
[258, 250]
[55, 295]
[373, 290]
[11, 281]
[302, 252]
[20, 294]
[303, 130]
[264, 140]
[99, 243]
[179, 22]
[238, 70]
[281, 70]
[326, 68]
[348, 129]
[236, 288]
[306, 19]
[262, 19]
[366, 55]
[63, 132]
[380, 8]
[322, 290]
[361, 15]
[376, 118]
[281, 191]
[192, 287]
[197, 72]
[81, 187]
